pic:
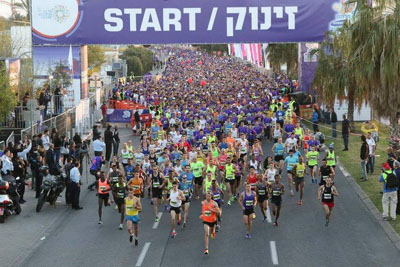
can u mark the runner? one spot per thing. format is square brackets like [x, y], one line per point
[137, 184]
[262, 198]
[331, 157]
[243, 148]
[291, 143]
[325, 171]
[207, 182]
[278, 149]
[175, 201]
[209, 213]
[300, 170]
[158, 182]
[218, 196]
[103, 187]
[326, 195]
[120, 189]
[132, 209]
[276, 190]
[248, 202]
[198, 168]
[230, 180]
[291, 161]
[312, 158]
[252, 178]
[270, 173]
[187, 188]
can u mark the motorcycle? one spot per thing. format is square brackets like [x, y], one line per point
[52, 187]
[9, 197]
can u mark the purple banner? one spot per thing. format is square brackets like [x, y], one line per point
[177, 21]
[307, 65]
[119, 115]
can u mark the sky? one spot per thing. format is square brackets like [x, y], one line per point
[5, 10]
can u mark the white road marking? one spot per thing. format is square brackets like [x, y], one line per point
[143, 254]
[274, 254]
[269, 218]
[155, 224]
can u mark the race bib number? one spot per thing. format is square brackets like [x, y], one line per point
[217, 197]
[249, 202]
[276, 193]
[207, 213]
[261, 192]
[327, 196]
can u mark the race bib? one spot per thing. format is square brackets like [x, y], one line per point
[276, 193]
[327, 196]
[261, 192]
[249, 202]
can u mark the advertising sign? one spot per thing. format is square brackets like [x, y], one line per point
[176, 21]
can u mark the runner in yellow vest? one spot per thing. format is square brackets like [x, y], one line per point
[331, 157]
[300, 170]
[132, 208]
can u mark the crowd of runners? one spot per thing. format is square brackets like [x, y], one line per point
[210, 118]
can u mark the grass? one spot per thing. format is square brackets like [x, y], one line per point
[351, 160]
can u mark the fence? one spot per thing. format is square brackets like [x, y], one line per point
[3, 144]
[77, 119]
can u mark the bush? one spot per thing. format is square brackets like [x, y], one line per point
[139, 60]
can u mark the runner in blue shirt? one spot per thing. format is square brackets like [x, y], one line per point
[291, 161]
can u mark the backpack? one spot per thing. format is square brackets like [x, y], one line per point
[391, 180]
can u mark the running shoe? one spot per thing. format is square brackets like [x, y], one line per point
[300, 202]
[206, 251]
[120, 226]
[217, 228]
[229, 202]
[184, 225]
[136, 241]
[213, 235]
[179, 221]
[165, 208]
[327, 223]
[291, 192]
[386, 218]
[265, 218]
[248, 236]
[276, 224]
[173, 234]
[116, 207]
[151, 202]
[131, 238]
[232, 198]
[100, 222]
[157, 219]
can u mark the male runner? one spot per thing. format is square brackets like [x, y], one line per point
[103, 187]
[209, 213]
[325, 171]
[132, 208]
[198, 168]
[261, 189]
[230, 180]
[157, 183]
[278, 149]
[175, 201]
[120, 193]
[300, 170]
[276, 190]
[218, 196]
[187, 188]
[248, 202]
[312, 157]
[326, 195]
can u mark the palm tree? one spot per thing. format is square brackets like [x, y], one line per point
[279, 54]
[376, 46]
[25, 7]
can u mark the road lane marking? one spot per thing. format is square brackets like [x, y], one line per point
[274, 254]
[269, 218]
[155, 224]
[143, 254]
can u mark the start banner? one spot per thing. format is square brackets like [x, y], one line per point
[81, 22]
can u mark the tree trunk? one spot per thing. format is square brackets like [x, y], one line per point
[288, 69]
[350, 108]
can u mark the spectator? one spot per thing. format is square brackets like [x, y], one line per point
[46, 140]
[67, 169]
[315, 118]
[20, 171]
[7, 164]
[96, 133]
[333, 123]
[345, 132]
[396, 167]
[75, 186]
[98, 146]
[58, 103]
[371, 158]
[364, 158]
[104, 113]
[77, 139]
[53, 168]
[137, 121]
[389, 194]
[109, 140]
[58, 143]
[116, 140]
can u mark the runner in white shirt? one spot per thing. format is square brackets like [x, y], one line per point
[291, 143]
[175, 201]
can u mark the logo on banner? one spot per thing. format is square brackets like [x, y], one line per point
[54, 18]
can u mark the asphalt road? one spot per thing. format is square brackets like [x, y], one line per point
[74, 238]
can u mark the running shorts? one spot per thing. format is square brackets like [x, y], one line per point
[176, 209]
[248, 212]
[278, 158]
[329, 204]
[134, 219]
[156, 193]
[198, 180]
[210, 224]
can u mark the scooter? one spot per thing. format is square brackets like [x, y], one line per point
[9, 197]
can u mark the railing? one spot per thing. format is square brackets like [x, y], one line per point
[4, 144]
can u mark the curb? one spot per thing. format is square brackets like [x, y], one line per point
[387, 228]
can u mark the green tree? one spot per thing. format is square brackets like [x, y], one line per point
[135, 65]
[24, 6]
[61, 76]
[95, 56]
[8, 99]
[145, 57]
[211, 48]
[279, 54]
